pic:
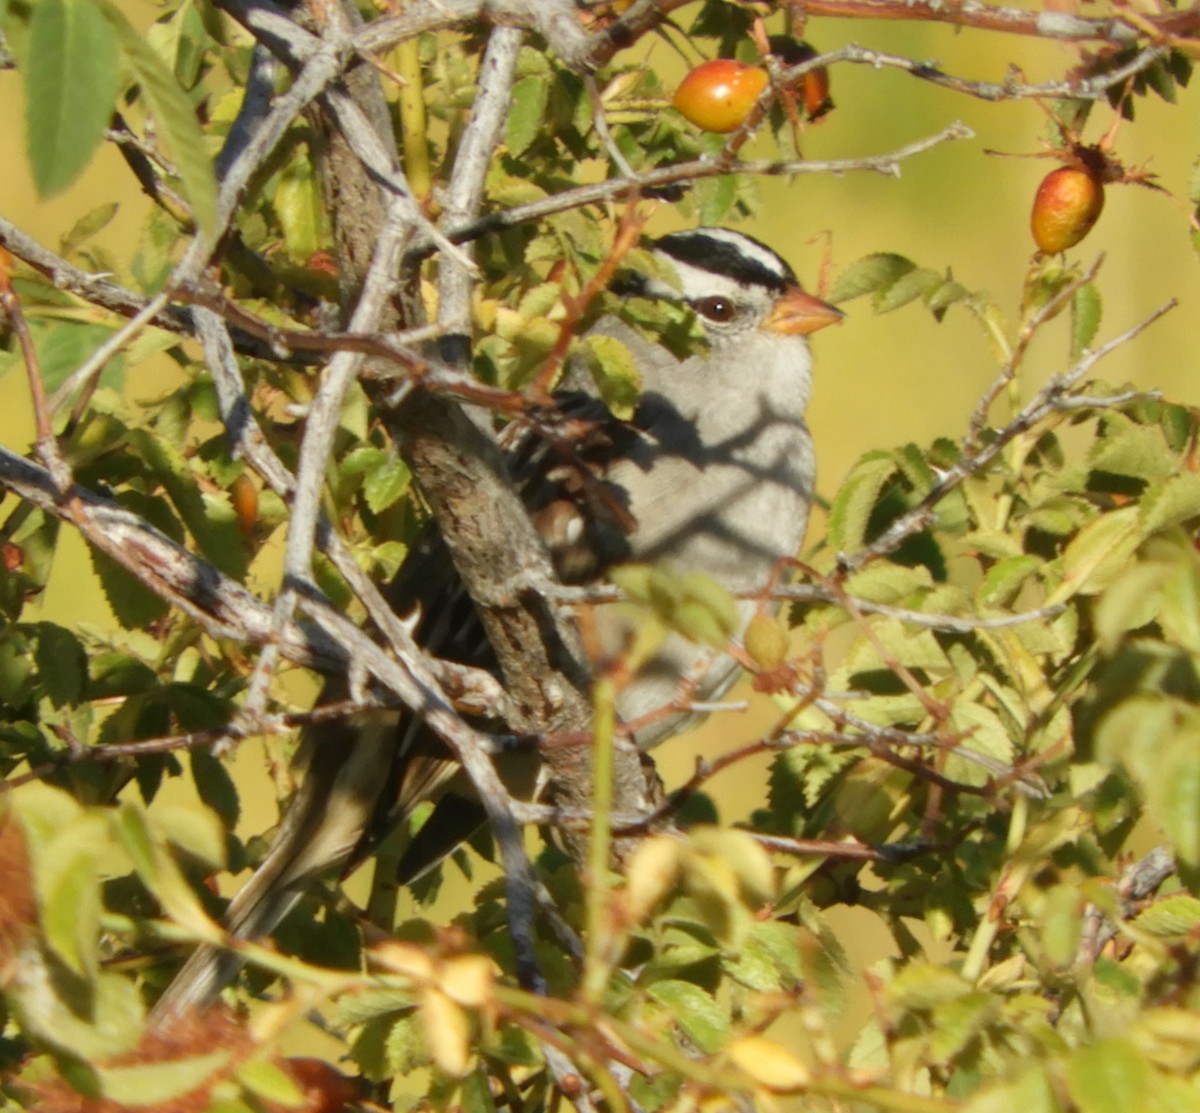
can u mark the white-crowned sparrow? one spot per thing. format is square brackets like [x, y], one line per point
[714, 473]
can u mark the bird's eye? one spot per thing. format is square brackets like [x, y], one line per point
[715, 309]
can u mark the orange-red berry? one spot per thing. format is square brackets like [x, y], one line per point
[1067, 205]
[718, 95]
[243, 494]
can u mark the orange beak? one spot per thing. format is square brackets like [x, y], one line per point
[798, 314]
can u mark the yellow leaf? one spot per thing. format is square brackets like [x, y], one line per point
[447, 1031]
[770, 1064]
[653, 872]
[468, 980]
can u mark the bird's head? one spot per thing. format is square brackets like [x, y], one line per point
[736, 286]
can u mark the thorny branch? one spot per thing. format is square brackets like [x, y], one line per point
[977, 453]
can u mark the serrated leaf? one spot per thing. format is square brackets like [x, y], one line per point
[1133, 600]
[1176, 915]
[924, 985]
[717, 196]
[405, 1047]
[615, 372]
[1086, 309]
[941, 297]
[1174, 502]
[65, 345]
[209, 518]
[1181, 67]
[696, 1012]
[539, 300]
[61, 662]
[133, 604]
[871, 273]
[1005, 577]
[1158, 76]
[850, 513]
[1180, 612]
[526, 112]
[385, 485]
[955, 1023]
[71, 83]
[908, 287]
[174, 118]
[215, 786]
[1133, 450]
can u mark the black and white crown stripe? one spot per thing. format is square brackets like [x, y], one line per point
[733, 255]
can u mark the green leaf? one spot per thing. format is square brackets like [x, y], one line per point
[215, 787]
[1137, 451]
[476, 1094]
[1176, 915]
[1005, 577]
[1108, 1076]
[908, 287]
[301, 208]
[174, 117]
[1085, 318]
[133, 604]
[717, 197]
[1158, 76]
[65, 345]
[698, 1015]
[209, 517]
[1133, 600]
[615, 371]
[195, 831]
[539, 300]
[156, 868]
[87, 226]
[525, 113]
[405, 1048]
[384, 485]
[869, 274]
[266, 1080]
[61, 662]
[1174, 502]
[71, 82]
[850, 514]
[957, 1022]
[941, 297]
[1099, 553]
[923, 985]
[155, 1084]
[1176, 792]
[70, 912]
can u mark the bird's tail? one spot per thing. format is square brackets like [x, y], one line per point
[345, 769]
